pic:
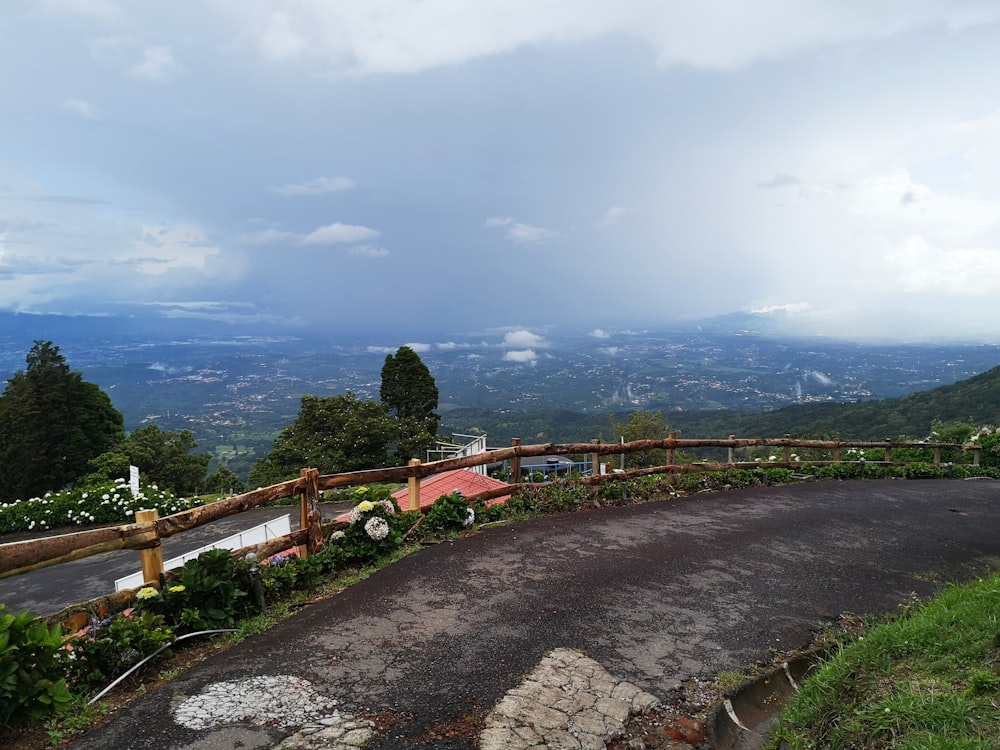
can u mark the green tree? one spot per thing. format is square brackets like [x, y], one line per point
[52, 423]
[332, 434]
[166, 458]
[643, 425]
[222, 481]
[409, 393]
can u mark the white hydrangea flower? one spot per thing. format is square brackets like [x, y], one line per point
[470, 518]
[388, 507]
[377, 528]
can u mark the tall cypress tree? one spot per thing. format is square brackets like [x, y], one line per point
[410, 394]
[52, 422]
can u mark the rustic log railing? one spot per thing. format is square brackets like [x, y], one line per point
[28, 555]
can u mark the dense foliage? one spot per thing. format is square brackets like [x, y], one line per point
[332, 434]
[32, 675]
[409, 393]
[208, 593]
[52, 423]
[643, 425]
[164, 458]
[337, 434]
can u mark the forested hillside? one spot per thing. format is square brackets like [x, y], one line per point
[976, 399]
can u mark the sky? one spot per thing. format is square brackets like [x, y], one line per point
[525, 165]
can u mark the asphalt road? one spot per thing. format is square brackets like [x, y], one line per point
[655, 593]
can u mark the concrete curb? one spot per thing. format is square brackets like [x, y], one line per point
[743, 719]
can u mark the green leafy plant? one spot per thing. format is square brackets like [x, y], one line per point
[211, 592]
[108, 648]
[32, 681]
[450, 513]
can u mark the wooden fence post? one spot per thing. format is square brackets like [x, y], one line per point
[937, 455]
[672, 451]
[977, 451]
[515, 462]
[888, 450]
[732, 451]
[413, 485]
[836, 452]
[595, 460]
[152, 557]
[787, 453]
[312, 516]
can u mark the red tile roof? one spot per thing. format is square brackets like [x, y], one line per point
[465, 481]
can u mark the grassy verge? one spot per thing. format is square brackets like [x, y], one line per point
[929, 679]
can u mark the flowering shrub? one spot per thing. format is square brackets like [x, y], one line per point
[375, 527]
[104, 502]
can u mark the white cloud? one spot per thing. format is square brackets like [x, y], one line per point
[388, 36]
[277, 41]
[521, 355]
[81, 108]
[522, 339]
[157, 64]
[790, 308]
[419, 348]
[336, 233]
[520, 233]
[318, 186]
[612, 216]
[167, 248]
[599, 333]
[368, 251]
[918, 268]
[892, 203]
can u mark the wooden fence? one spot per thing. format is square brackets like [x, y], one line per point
[146, 534]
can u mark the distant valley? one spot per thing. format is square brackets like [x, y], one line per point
[236, 391]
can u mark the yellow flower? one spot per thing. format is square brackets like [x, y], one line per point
[177, 589]
[360, 490]
[365, 505]
[147, 592]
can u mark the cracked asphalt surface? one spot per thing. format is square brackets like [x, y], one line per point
[655, 593]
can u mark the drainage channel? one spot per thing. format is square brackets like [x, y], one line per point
[742, 721]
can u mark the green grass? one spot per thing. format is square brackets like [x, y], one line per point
[928, 679]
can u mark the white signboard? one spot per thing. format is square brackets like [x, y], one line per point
[133, 480]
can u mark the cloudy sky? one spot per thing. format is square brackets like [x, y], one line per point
[428, 165]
